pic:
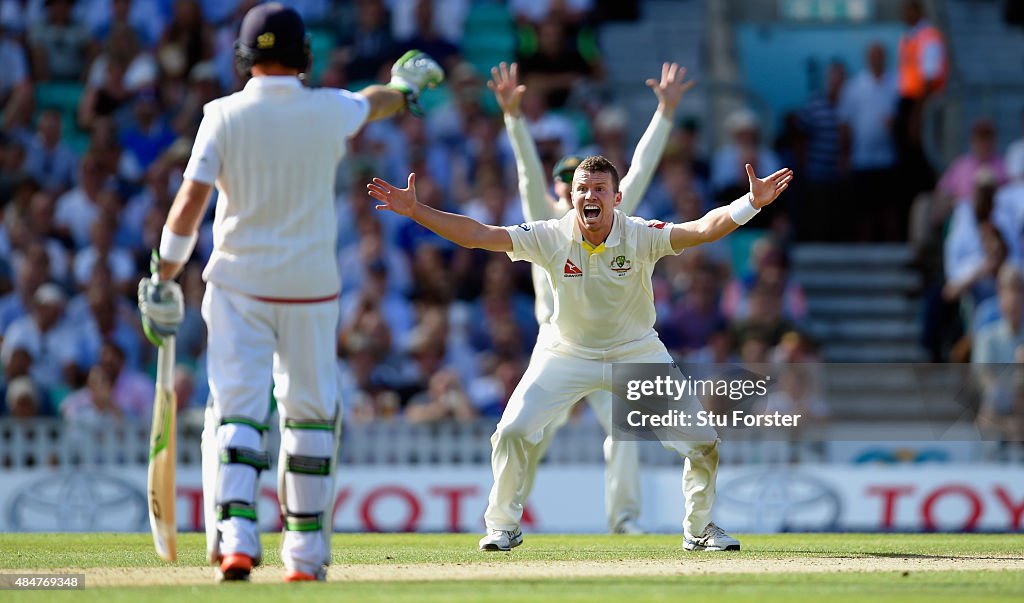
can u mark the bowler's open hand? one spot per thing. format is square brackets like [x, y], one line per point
[402, 201]
[765, 190]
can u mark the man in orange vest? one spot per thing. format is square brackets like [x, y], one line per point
[923, 68]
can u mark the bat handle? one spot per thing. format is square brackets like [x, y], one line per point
[165, 364]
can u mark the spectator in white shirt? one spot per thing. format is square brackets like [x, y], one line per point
[867, 107]
[77, 208]
[55, 345]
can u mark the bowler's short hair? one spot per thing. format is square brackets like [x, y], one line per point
[599, 163]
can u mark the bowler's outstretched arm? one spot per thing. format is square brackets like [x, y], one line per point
[461, 230]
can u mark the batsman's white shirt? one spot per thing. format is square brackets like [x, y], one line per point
[603, 299]
[272, 149]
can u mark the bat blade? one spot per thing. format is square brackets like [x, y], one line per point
[160, 488]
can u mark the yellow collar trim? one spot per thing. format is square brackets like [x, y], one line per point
[591, 249]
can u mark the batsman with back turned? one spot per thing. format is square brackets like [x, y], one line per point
[270, 306]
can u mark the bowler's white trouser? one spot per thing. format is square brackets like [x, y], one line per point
[551, 384]
[251, 344]
[621, 457]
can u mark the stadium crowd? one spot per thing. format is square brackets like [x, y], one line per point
[428, 331]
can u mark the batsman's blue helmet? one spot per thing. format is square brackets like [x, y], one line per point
[272, 33]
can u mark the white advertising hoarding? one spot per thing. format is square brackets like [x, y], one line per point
[566, 499]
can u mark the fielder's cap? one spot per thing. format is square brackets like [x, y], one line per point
[270, 28]
[566, 167]
[49, 294]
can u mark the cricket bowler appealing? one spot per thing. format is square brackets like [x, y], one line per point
[622, 458]
[603, 314]
[271, 306]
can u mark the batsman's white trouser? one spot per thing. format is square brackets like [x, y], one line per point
[621, 458]
[252, 345]
[551, 384]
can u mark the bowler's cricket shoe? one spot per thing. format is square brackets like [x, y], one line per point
[714, 538]
[501, 540]
[234, 568]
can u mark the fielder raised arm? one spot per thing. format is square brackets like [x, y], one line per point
[537, 203]
[461, 230]
[722, 220]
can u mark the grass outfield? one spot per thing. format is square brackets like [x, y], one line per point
[442, 567]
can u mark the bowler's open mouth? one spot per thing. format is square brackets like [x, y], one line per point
[591, 212]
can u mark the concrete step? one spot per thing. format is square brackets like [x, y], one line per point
[875, 352]
[881, 254]
[884, 305]
[896, 377]
[882, 280]
[866, 331]
[657, 10]
[890, 407]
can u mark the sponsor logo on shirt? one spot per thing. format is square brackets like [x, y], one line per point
[525, 227]
[656, 224]
[620, 265]
[571, 270]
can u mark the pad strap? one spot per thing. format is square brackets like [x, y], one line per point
[260, 427]
[257, 459]
[236, 508]
[311, 425]
[303, 523]
[308, 465]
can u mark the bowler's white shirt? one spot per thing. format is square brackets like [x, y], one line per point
[272, 149]
[603, 300]
[533, 191]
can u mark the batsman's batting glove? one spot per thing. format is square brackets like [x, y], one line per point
[162, 305]
[411, 74]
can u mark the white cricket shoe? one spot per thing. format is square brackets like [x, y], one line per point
[714, 538]
[501, 540]
[628, 527]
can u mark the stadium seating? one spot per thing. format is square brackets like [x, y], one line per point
[490, 36]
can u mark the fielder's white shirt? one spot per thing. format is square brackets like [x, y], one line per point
[604, 299]
[272, 149]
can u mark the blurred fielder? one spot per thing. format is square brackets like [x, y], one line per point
[622, 460]
[271, 299]
[599, 262]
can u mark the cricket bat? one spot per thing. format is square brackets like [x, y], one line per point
[162, 438]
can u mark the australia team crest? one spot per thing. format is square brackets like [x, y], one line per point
[620, 265]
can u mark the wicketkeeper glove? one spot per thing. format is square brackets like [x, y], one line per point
[161, 303]
[412, 73]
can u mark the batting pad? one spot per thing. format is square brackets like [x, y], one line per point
[306, 489]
